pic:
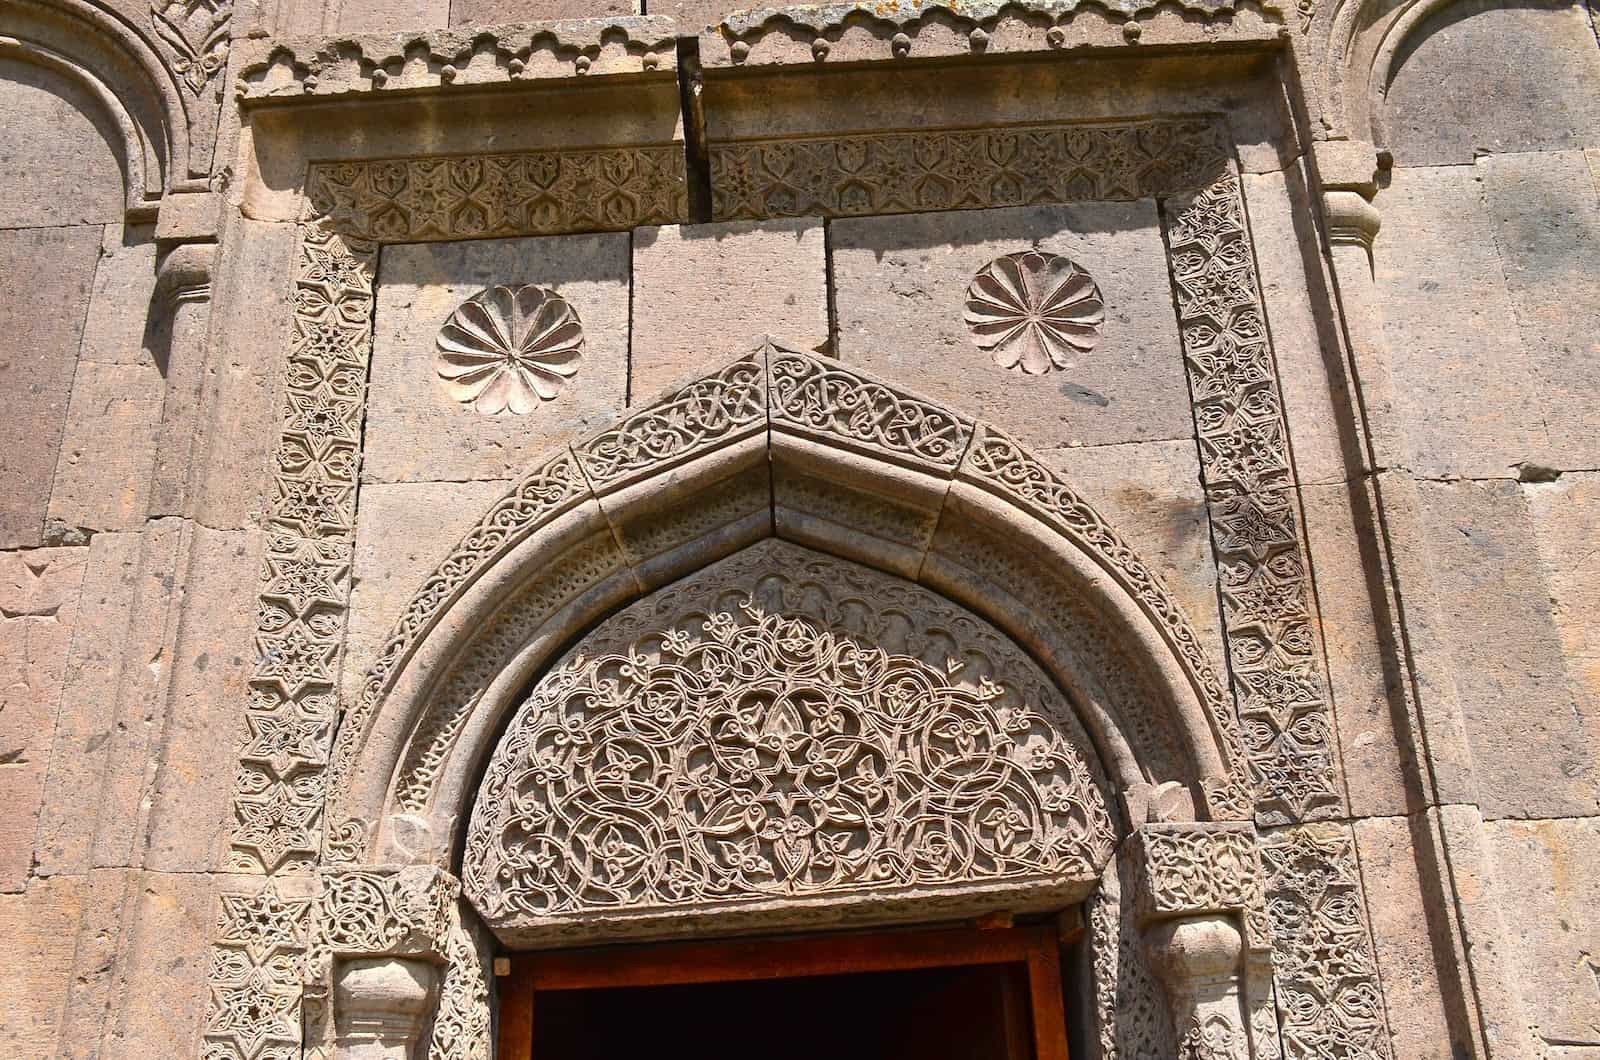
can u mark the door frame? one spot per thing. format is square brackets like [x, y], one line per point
[1038, 949]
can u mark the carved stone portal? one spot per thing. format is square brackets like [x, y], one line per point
[784, 733]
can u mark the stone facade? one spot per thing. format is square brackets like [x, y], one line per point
[483, 477]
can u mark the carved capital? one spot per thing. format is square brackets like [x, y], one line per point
[380, 1005]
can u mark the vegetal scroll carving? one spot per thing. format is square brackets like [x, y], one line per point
[781, 726]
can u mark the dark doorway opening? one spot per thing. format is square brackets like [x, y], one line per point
[933, 995]
[974, 1012]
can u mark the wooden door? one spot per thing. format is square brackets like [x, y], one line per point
[1001, 997]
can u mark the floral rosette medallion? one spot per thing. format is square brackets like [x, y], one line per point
[1034, 311]
[506, 349]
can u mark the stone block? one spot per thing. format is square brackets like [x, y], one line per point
[1566, 525]
[252, 313]
[901, 288]
[1483, 77]
[115, 330]
[502, 12]
[45, 278]
[696, 14]
[1463, 383]
[704, 294]
[211, 660]
[38, 609]
[157, 1000]
[1405, 917]
[1535, 752]
[1150, 492]
[102, 477]
[74, 785]
[1546, 216]
[1546, 880]
[1311, 371]
[405, 530]
[60, 170]
[37, 931]
[416, 431]
[392, 16]
[1339, 531]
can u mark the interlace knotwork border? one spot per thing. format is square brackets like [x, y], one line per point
[280, 791]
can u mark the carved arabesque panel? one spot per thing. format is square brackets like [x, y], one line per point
[783, 726]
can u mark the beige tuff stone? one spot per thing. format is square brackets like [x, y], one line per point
[695, 305]
[1535, 745]
[1565, 515]
[416, 431]
[1150, 491]
[901, 287]
[37, 929]
[1465, 392]
[116, 328]
[39, 267]
[1339, 531]
[252, 310]
[406, 529]
[210, 663]
[1295, 293]
[1465, 86]
[1406, 920]
[1544, 877]
[38, 612]
[1546, 219]
[495, 12]
[380, 16]
[75, 784]
[108, 447]
[71, 176]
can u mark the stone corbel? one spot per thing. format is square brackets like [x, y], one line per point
[1200, 904]
[1348, 173]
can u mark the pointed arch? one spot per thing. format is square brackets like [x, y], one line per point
[777, 444]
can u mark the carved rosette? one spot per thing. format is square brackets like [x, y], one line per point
[770, 731]
[506, 349]
[1034, 311]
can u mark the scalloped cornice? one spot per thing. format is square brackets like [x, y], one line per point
[343, 64]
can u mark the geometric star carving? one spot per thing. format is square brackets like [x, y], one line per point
[275, 825]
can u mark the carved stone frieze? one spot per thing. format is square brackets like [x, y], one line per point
[826, 401]
[258, 962]
[290, 714]
[462, 1026]
[783, 726]
[959, 169]
[1327, 977]
[1244, 464]
[528, 193]
[1130, 1012]
[198, 33]
[696, 418]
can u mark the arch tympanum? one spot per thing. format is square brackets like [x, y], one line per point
[782, 735]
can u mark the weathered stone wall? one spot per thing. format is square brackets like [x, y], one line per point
[1338, 395]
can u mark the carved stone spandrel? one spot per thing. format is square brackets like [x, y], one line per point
[705, 293]
[417, 430]
[901, 287]
[406, 529]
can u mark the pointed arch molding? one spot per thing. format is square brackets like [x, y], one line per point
[779, 443]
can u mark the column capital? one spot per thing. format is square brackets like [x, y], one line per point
[379, 1006]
